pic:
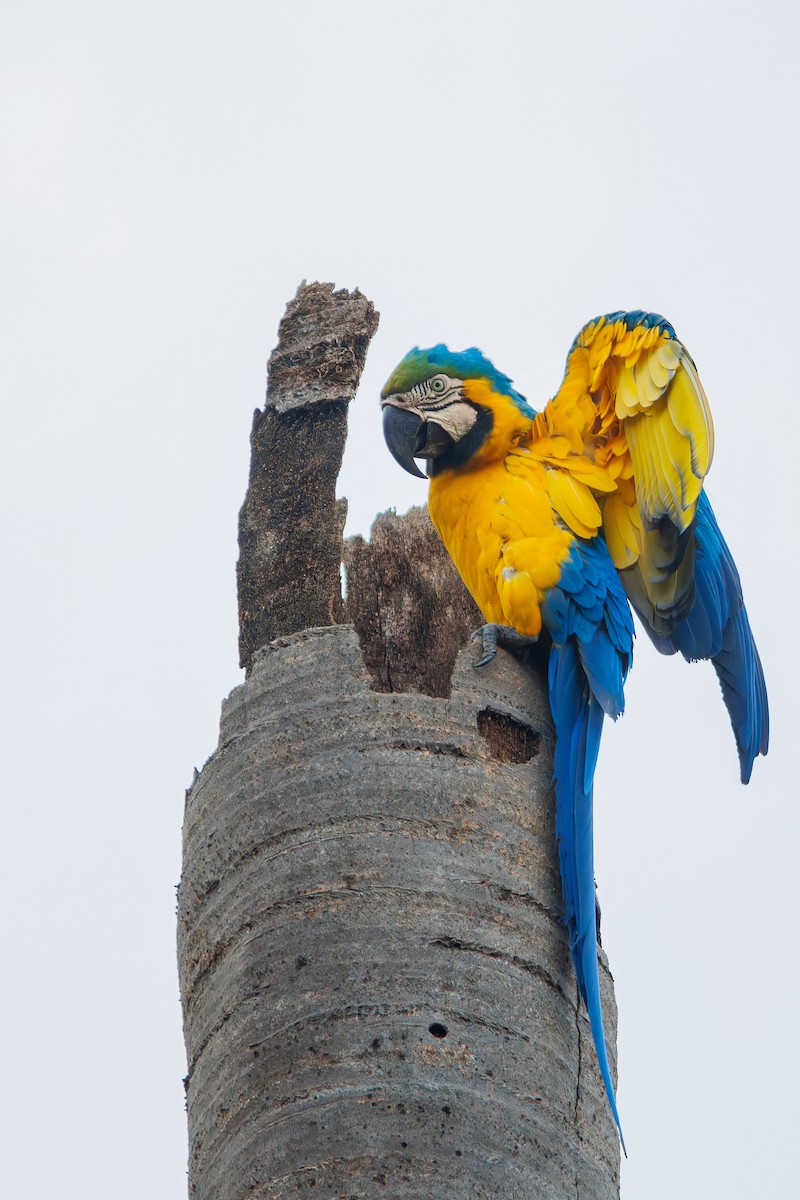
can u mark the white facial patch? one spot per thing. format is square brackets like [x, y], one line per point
[456, 419]
[440, 399]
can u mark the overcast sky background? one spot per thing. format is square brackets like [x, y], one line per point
[491, 174]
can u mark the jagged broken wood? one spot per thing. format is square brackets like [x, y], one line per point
[290, 526]
[409, 607]
[378, 994]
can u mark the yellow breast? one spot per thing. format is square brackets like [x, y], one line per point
[502, 534]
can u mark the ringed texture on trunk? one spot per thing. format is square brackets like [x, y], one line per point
[379, 997]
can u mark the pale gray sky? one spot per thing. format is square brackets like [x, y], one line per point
[486, 174]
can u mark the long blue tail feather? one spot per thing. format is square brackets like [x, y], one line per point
[578, 719]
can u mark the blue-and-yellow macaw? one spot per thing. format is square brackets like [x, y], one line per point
[554, 518]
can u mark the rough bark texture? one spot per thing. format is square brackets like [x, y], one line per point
[290, 526]
[410, 609]
[378, 995]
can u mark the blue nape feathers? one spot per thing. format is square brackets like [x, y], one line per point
[419, 365]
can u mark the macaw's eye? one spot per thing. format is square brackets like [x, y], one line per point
[438, 384]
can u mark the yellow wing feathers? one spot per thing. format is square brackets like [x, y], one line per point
[647, 426]
[671, 442]
[643, 417]
[574, 502]
[622, 525]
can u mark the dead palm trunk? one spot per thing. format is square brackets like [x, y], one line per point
[378, 995]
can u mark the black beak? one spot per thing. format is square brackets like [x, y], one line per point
[405, 435]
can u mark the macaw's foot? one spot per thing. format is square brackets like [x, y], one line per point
[493, 636]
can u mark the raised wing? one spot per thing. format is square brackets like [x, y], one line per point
[632, 409]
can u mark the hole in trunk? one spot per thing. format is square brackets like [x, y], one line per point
[509, 740]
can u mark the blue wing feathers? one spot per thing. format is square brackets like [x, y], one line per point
[718, 592]
[604, 669]
[717, 627]
[744, 691]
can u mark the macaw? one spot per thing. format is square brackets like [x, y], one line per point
[556, 520]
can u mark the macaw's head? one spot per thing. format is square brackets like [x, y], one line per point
[452, 408]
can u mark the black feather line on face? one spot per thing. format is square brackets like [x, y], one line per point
[459, 454]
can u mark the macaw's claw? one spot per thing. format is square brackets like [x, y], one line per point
[493, 636]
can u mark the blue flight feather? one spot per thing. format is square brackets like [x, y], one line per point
[717, 627]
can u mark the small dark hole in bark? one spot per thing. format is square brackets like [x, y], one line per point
[509, 740]
[404, 1145]
[437, 1029]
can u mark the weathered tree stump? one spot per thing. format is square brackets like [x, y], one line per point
[378, 993]
[290, 526]
[409, 607]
